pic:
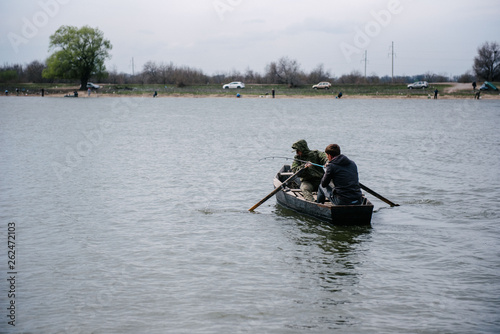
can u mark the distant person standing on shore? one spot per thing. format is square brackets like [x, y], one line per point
[436, 94]
[474, 85]
[88, 92]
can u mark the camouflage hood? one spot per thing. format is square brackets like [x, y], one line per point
[301, 146]
[313, 173]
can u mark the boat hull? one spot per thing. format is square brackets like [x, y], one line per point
[290, 197]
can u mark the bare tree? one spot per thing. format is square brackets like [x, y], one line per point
[373, 78]
[219, 77]
[151, 72]
[466, 77]
[442, 77]
[318, 74]
[429, 76]
[113, 76]
[252, 76]
[355, 77]
[487, 62]
[271, 70]
[34, 71]
[285, 71]
[165, 73]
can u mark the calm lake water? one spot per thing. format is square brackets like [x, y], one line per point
[131, 217]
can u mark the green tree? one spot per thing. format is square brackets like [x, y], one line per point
[8, 76]
[81, 54]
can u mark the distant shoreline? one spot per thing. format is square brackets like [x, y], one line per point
[83, 95]
[243, 96]
[447, 90]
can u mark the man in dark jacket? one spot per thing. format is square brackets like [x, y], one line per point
[344, 174]
[310, 176]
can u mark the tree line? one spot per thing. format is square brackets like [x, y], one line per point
[284, 71]
[81, 54]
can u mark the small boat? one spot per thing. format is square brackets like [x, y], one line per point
[291, 197]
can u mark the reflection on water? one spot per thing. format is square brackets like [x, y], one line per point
[337, 248]
[330, 256]
[332, 238]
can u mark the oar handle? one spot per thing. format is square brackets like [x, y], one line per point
[272, 193]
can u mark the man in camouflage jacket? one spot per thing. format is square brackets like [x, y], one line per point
[310, 177]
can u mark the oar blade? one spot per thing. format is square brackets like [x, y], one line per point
[382, 198]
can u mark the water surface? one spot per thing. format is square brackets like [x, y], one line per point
[131, 217]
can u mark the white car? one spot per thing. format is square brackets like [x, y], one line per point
[322, 85]
[234, 84]
[91, 85]
[418, 84]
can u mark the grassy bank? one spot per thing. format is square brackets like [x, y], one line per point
[348, 90]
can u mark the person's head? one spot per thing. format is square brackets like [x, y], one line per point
[300, 147]
[332, 150]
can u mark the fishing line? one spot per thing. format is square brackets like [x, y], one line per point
[265, 158]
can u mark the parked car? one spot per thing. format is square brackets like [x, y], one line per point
[322, 85]
[418, 84]
[91, 85]
[234, 84]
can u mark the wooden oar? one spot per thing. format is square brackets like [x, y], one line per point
[271, 194]
[377, 195]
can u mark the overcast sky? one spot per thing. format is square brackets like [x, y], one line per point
[439, 36]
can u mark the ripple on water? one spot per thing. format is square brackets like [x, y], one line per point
[149, 231]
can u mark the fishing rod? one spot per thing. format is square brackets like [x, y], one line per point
[293, 159]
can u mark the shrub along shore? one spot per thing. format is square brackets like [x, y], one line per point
[446, 91]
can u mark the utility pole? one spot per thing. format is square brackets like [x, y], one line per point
[365, 60]
[392, 54]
